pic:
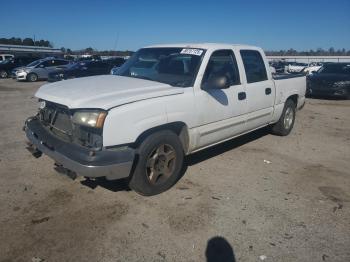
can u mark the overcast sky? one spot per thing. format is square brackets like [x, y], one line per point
[107, 25]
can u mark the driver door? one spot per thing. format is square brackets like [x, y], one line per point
[220, 111]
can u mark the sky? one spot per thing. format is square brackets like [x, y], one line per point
[129, 25]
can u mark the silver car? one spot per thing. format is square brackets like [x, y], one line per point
[39, 69]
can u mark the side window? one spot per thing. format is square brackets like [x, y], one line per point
[222, 63]
[46, 63]
[254, 66]
[94, 65]
[346, 69]
[60, 62]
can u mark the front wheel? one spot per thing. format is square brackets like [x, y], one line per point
[159, 164]
[3, 74]
[32, 77]
[286, 122]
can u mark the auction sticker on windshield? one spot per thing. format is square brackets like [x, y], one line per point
[192, 51]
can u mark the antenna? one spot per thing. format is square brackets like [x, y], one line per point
[116, 41]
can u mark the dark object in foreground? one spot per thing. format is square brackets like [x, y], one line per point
[218, 249]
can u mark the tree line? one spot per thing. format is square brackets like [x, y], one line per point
[92, 51]
[290, 52]
[318, 52]
[25, 41]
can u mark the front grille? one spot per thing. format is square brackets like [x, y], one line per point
[57, 119]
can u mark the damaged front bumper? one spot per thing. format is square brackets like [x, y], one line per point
[109, 163]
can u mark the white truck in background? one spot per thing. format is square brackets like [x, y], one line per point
[141, 123]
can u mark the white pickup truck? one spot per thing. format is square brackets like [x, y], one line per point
[167, 101]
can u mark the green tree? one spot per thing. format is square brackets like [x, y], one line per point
[28, 41]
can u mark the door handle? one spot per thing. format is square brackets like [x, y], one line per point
[268, 91]
[242, 95]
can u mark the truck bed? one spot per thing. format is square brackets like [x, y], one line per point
[290, 84]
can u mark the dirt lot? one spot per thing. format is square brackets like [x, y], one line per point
[295, 208]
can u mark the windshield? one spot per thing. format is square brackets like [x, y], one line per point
[173, 66]
[6, 61]
[35, 63]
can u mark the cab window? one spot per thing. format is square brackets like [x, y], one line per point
[254, 66]
[222, 63]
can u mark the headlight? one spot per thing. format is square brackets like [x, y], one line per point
[90, 118]
[341, 83]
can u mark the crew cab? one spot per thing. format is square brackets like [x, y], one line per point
[140, 124]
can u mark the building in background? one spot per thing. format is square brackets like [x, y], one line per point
[22, 50]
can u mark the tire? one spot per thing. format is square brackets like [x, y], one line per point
[3, 74]
[32, 77]
[159, 163]
[286, 122]
[348, 94]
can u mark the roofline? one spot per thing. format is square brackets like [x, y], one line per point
[203, 45]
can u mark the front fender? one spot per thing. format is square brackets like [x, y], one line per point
[125, 123]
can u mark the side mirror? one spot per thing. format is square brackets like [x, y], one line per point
[217, 82]
[41, 66]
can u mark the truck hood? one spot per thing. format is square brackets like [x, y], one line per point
[104, 91]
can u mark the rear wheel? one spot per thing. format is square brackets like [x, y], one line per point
[32, 77]
[159, 164]
[3, 74]
[286, 122]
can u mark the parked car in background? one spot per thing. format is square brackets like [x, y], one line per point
[39, 69]
[8, 65]
[331, 80]
[117, 63]
[141, 123]
[4, 57]
[294, 67]
[312, 68]
[279, 66]
[83, 68]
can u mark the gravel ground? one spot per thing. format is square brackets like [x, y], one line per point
[258, 197]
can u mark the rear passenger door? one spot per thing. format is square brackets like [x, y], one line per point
[260, 89]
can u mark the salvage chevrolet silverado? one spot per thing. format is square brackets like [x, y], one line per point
[167, 101]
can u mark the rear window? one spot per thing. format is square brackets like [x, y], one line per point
[254, 66]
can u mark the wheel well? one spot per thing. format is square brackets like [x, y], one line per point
[294, 98]
[178, 128]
